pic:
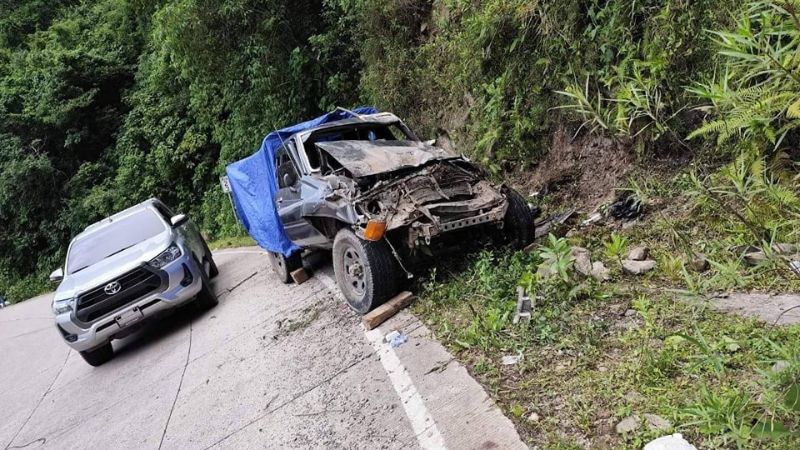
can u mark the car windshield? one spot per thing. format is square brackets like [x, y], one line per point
[113, 238]
[359, 132]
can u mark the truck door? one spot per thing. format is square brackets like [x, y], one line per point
[287, 199]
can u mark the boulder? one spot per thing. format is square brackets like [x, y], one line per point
[600, 272]
[657, 423]
[673, 442]
[755, 258]
[699, 263]
[639, 253]
[583, 260]
[628, 424]
[637, 267]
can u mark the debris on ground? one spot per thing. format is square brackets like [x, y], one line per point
[398, 340]
[780, 366]
[524, 307]
[533, 418]
[639, 253]
[544, 227]
[510, 360]
[626, 206]
[391, 335]
[795, 266]
[632, 267]
[380, 314]
[672, 442]
[594, 218]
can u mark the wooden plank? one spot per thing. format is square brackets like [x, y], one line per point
[300, 276]
[382, 313]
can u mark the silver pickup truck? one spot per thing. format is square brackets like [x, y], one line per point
[127, 268]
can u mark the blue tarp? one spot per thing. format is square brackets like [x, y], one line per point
[254, 186]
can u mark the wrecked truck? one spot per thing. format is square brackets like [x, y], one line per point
[367, 188]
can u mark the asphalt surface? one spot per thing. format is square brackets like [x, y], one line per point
[273, 366]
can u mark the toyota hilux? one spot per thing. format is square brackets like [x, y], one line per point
[131, 266]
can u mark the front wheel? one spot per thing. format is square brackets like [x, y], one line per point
[518, 227]
[366, 271]
[98, 356]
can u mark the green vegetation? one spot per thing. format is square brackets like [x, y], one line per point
[106, 103]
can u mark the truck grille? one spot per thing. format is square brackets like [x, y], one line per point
[132, 286]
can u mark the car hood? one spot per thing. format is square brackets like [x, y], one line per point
[111, 268]
[365, 158]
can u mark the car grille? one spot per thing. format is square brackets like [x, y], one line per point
[133, 285]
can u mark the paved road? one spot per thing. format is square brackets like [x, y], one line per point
[273, 366]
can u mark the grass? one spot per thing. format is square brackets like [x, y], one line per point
[232, 242]
[593, 358]
[594, 354]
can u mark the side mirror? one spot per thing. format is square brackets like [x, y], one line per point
[57, 275]
[178, 220]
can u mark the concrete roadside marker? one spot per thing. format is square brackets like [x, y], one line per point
[380, 314]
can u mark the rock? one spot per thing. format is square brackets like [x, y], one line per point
[600, 272]
[755, 258]
[657, 423]
[630, 313]
[673, 442]
[628, 424]
[699, 263]
[785, 249]
[637, 267]
[780, 366]
[795, 266]
[583, 261]
[633, 396]
[533, 418]
[639, 253]
[510, 360]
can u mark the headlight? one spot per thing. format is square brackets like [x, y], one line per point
[62, 306]
[167, 256]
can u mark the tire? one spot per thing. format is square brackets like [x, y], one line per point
[518, 227]
[206, 299]
[98, 356]
[284, 266]
[366, 272]
[210, 258]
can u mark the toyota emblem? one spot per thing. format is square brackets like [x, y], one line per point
[112, 288]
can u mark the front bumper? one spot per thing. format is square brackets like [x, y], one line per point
[82, 336]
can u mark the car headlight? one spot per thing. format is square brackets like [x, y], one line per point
[167, 256]
[62, 306]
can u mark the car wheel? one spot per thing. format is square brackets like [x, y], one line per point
[206, 299]
[518, 226]
[366, 271]
[98, 356]
[284, 266]
[210, 258]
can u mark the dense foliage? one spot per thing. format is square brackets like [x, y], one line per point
[108, 102]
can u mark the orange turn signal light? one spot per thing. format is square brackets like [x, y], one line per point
[375, 230]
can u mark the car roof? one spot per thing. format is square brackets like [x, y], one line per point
[126, 212]
[363, 119]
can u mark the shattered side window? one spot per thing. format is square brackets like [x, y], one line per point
[286, 173]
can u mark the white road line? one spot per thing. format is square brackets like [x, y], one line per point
[422, 422]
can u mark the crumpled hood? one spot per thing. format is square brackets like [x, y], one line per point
[110, 268]
[365, 158]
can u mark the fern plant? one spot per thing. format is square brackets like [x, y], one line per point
[758, 96]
